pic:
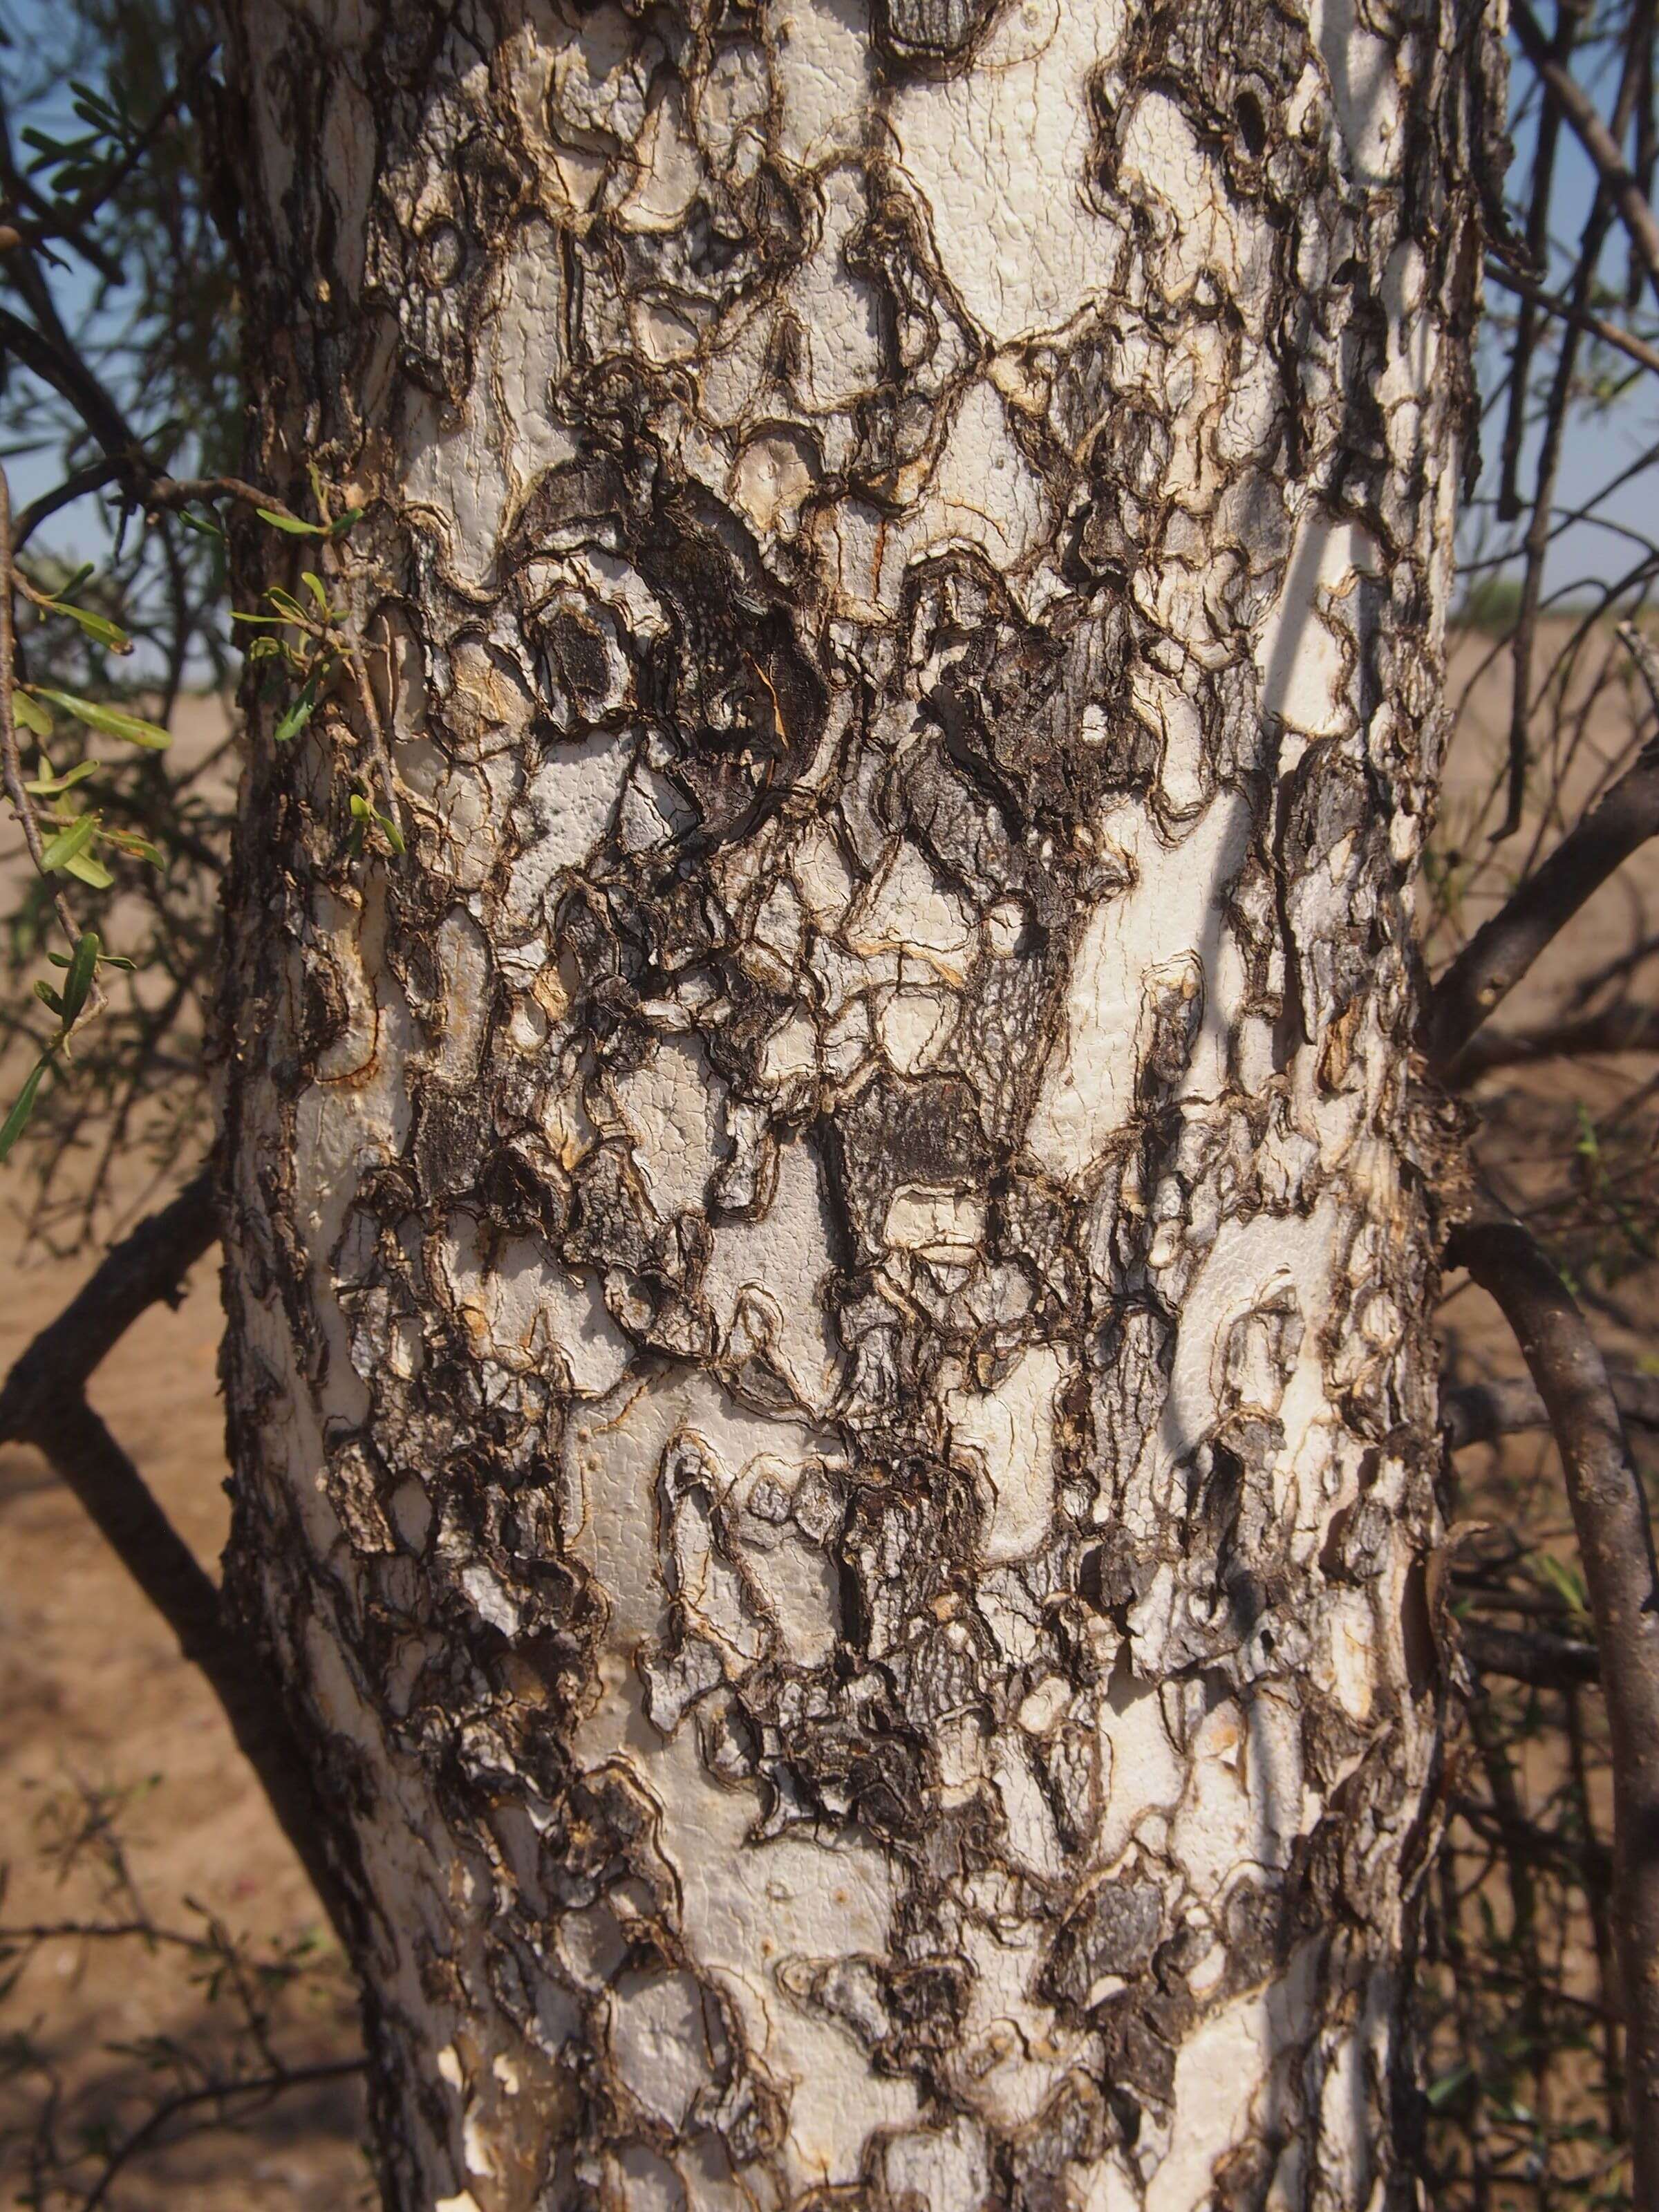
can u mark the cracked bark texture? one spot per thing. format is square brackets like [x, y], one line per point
[828, 1367]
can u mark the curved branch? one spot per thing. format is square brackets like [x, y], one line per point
[1615, 1543]
[1503, 948]
[44, 1404]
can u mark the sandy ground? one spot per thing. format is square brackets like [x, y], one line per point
[94, 1699]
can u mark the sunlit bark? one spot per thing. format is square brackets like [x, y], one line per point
[829, 1365]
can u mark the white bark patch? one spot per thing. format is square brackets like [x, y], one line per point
[521, 1309]
[1089, 1086]
[1007, 1434]
[668, 1107]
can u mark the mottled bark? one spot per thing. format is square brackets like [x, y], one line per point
[828, 1363]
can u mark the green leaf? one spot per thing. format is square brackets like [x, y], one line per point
[314, 583]
[361, 807]
[52, 786]
[48, 997]
[296, 717]
[92, 873]
[31, 714]
[68, 844]
[96, 626]
[1562, 1580]
[394, 835]
[78, 982]
[343, 523]
[139, 849]
[113, 721]
[17, 1120]
[1443, 2091]
[291, 523]
[199, 524]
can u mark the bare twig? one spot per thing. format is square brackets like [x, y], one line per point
[1510, 504]
[263, 2086]
[1592, 240]
[1614, 334]
[1583, 118]
[1615, 1543]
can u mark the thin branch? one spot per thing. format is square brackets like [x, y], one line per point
[1588, 1037]
[1614, 334]
[43, 1403]
[1592, 240]
[1481, 1412]
[93, 477]
[1526, 323]
[1615, 1544]
[1546, 1661]
[1623, 186]
[266, 2086]
[1503, 948]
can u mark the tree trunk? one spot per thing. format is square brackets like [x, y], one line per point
[829, 1280]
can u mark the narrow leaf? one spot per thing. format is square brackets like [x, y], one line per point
[291, 523]
[78, 982]
[296, 717]
[30, 714]
[92, 873]
[96, 626]
[113, 721]
[17, 1120]
[69, 843]
[52, 786]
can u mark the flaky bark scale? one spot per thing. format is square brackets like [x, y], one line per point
[828, 1368]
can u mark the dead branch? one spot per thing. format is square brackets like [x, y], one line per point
[1584, 120]
[1615, 1542]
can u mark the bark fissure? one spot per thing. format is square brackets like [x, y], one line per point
[828, 1374]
